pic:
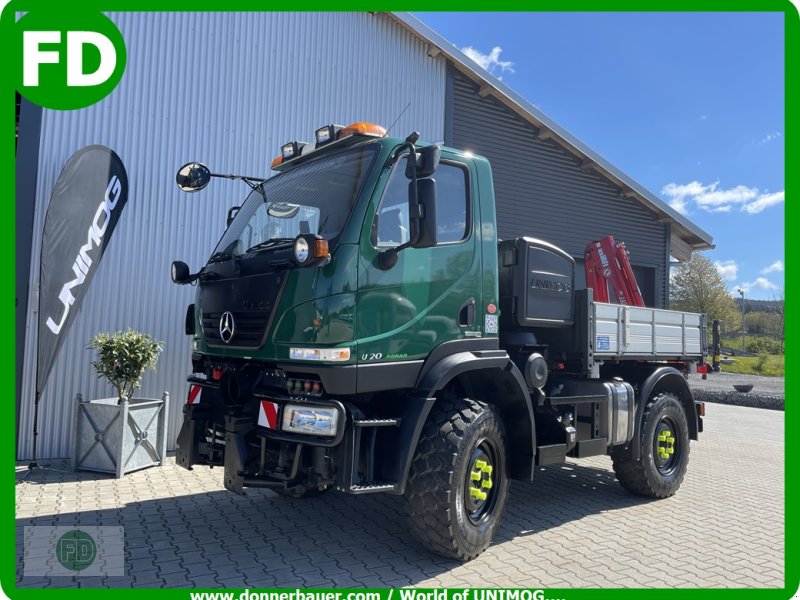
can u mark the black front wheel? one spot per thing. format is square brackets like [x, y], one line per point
[458, 484]
[665, 450]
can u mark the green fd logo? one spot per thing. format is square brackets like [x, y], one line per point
[70, 60]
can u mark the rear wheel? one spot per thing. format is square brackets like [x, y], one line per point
[665, 450]
[458, 484]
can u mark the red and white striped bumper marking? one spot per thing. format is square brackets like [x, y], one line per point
[194, 394]
[268, 415]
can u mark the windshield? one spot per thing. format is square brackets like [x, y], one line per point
[312, 198]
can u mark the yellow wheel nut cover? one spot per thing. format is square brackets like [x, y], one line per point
[487, 484]
[477, 494]
[475, 476]
[480, 464]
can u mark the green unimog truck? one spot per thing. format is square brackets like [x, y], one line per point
[360, 327]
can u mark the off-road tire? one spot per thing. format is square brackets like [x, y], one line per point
[643, 477]
[455, 431]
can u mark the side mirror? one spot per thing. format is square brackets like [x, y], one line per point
[425, 234]
[193, 177]
[425, 160]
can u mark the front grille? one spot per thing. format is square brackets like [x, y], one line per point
[249, 328]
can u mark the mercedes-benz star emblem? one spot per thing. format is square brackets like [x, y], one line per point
[227, 327]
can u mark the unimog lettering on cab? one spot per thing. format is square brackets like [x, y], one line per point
[359, 326]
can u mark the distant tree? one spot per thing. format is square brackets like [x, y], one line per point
[760, 322]
[781, 314]
[696, 286]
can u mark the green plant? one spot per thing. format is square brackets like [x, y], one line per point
[773, 367]
[123, 358]
[761, 362]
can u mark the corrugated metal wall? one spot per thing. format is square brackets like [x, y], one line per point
[225, 89]
[542, 192]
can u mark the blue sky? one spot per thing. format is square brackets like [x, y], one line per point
[690, 105]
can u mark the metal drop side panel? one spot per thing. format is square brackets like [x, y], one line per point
[543, 191]
[630, 331]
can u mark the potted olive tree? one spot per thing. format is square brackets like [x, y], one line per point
[122, 434]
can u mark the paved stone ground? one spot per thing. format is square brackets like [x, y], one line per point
[574, 527]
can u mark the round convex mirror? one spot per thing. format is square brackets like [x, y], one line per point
[193, 177]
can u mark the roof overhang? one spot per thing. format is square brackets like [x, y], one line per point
[685, 235]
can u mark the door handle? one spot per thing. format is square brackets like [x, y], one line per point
[466, 314]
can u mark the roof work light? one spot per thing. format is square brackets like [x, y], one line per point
[326, 135]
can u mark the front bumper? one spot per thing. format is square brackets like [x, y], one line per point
[370, 452]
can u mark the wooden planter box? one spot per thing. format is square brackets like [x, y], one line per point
[118, 438]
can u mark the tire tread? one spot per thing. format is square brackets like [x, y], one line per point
[430, 483]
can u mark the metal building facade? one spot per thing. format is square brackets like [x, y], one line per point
[226, 89]
[229, 89]
[541, 190]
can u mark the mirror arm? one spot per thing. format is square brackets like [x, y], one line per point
[251, 181]
[388, 258]
[254, 183]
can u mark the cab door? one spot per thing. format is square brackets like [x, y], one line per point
[431, 295]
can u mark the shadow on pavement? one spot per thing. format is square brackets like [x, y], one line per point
[219, 539]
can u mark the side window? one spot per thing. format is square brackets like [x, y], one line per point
[391, 225]
[451, 203]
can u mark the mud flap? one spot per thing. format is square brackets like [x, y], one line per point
[236, 452]
[186, 454]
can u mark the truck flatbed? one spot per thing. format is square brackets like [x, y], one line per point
[621, 331]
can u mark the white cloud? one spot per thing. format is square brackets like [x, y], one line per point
[712, 198]
[764, 201]
[679, 204]
[491, 62]
[770, 137]
[775, 267]
[680, 193]
[727, 269]
[760, 283]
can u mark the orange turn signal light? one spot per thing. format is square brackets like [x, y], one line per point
[277, 161]
[362, 128]
[321, 249]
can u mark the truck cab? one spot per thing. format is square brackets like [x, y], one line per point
[360, 327]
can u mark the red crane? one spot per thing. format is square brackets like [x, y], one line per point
[606, 262]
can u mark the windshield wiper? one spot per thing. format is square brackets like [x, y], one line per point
[220, 256]
[271, 243]
[207, 275]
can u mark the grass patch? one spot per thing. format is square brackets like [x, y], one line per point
[767, 364]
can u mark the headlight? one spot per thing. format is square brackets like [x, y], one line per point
[311, 250]
[301, 250]
[310, 420]
[179, 272]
